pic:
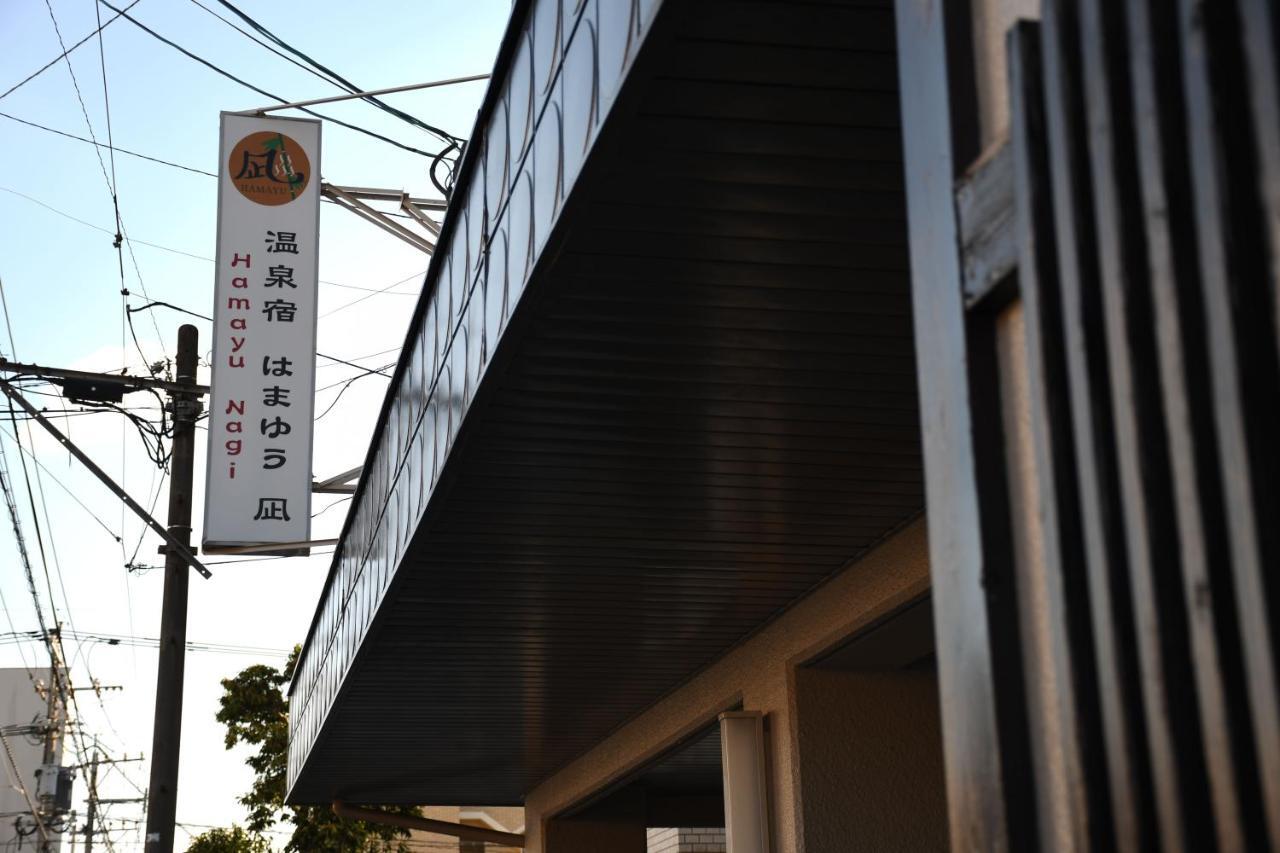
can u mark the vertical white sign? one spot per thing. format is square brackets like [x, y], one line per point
[261, 406]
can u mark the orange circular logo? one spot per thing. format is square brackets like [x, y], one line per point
[269, 168]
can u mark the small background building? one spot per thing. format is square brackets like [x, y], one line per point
[23, 714]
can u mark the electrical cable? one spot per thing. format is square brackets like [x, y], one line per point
[352, 88]
[170, 249]
[155, 498]
[112, 147]
[121, 235]
[262, 92]
[338, 502]
[61, 679]
[106, 108]
[263, 44]
[357, 301]
[124, 640]
[338, 363]
[159, 304]
[35, 518]
[75, 84]
[445, 187]
[65, 215]
[350, 379]
[345, 385]
[22, 787]
[66, 489]
[52, 62]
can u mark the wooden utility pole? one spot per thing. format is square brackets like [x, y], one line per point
[92, 815]
[184, 402]
[162, 807]
[55, 730]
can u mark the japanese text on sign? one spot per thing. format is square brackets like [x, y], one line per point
[258, 489]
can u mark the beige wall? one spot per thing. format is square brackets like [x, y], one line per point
[991, 22]
[502, 818]
[870, 747]
[759, 673]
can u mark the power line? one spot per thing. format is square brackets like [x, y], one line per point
[52, 62]
[121, 235]
[358, 358]
[341, 82]
[66, 215]
[112, 147]
[206, 63]
[69, 492]
[174, 251]
[259, 41]
[18, 637]
[353, 302]
[367, 372]
[338, 502]
[345, 385]
[75, 84]
[106, 108]
[61, 679]
[170, 163]
[159, 304]
[21, 785]
[155, 498]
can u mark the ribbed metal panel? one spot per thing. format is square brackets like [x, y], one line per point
[701, 406]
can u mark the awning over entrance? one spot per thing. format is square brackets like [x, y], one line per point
[661, 386]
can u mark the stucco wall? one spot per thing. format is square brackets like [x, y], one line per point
[758, 673]
[870, 747]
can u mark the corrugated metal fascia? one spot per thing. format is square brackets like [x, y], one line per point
[506, 52]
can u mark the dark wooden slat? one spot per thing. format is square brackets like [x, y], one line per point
[1260, 27]
[1175, 724]
[1217, 655]
[1241, 347]
[1079, 768]
[1090, 401]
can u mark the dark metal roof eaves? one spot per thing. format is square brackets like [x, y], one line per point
[506, 53]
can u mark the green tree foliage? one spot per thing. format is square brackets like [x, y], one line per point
[233, 840]
[256, 713]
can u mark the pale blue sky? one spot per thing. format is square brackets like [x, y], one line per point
[62, 283]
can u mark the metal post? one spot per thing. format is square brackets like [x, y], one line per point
[167, 735]
[746, 798]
